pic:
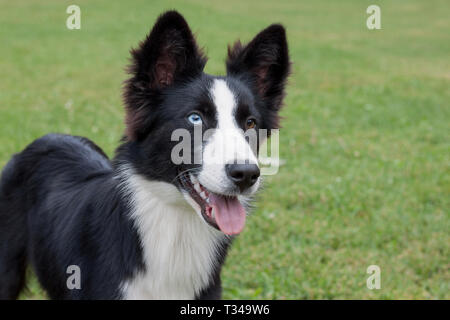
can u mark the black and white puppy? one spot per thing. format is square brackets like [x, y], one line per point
[144, 226]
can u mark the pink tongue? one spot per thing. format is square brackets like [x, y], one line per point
[229, 213]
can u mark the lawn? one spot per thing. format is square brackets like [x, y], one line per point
[365, 136]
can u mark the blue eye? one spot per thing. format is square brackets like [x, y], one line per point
[195, 119]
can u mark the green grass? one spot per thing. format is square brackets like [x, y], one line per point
[365, 133]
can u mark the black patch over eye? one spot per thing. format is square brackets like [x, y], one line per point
[250, 123]
[195, 118]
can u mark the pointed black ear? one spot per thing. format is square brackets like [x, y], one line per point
[169, 54]
[265, 62]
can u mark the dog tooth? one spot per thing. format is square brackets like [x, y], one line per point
[197, 187]
[203, 195]
[193, 179]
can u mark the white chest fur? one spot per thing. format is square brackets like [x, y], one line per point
[179, 248]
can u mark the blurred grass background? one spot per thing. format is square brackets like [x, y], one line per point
[365, 133]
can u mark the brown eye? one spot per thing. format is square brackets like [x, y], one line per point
[250, 124]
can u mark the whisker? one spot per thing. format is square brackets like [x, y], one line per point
[186, 171]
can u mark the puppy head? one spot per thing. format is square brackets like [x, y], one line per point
[168, 92]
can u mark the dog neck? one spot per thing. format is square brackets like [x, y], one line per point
[181, 252]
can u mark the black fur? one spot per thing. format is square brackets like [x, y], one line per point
[60, 203]
[263, 65]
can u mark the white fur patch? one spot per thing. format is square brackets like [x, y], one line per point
[179, 248]
[226, 145]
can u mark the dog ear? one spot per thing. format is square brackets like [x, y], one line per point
[264, 61]
[169, 54]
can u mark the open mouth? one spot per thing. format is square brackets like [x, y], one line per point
[223, 212]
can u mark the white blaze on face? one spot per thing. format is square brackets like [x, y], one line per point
[225, 144]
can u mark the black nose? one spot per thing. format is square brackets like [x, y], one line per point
[243, 175]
